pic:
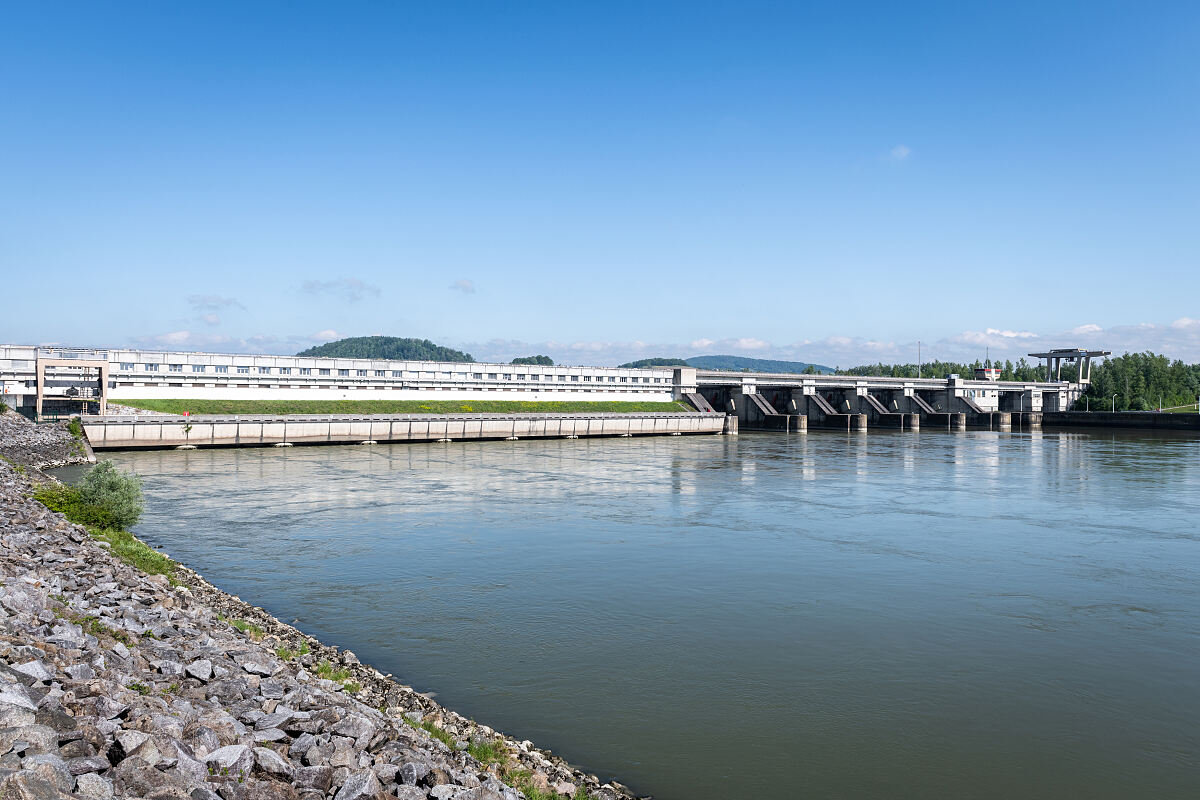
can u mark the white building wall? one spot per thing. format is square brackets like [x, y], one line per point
[152, 374]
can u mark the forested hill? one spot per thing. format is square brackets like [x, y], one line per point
[391, 348]
[743, 364]
[732, 363]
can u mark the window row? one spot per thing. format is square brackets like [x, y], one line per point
[380, 373]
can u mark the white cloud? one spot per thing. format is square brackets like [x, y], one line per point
[1086, 330]
[463, 285]
[210, 319]
[327, 335]
[900, 152]
[702, 344]
[750, 344]
[349, 289]
[1185, 323]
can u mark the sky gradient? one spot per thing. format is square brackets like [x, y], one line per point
[604, 181]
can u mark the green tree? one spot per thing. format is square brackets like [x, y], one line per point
[118, 493]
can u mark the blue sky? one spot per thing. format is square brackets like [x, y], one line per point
[603, 181]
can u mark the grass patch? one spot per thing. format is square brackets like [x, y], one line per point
[93, 626]
[249, 628]
[132, 550]
[490, 751]
[75, 428]
[338, 675]
[226, 407]
[442, 736]
[140, 688]
[522, 781]
[287, 654]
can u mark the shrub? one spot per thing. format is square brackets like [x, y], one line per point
[117, 493]
[75, 427]
[3, 408]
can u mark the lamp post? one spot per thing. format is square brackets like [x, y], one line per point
[1115, 403]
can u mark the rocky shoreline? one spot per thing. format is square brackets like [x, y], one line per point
[114, 683]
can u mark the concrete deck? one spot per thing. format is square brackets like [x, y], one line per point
[160, 431]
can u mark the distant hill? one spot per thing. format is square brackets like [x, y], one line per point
[655, 362]
[732, 363]
[739, 363]
[391, 348]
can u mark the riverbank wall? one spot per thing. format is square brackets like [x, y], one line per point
[1135, 420]
[114, 683]
[160, 431]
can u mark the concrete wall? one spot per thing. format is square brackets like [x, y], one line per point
[1122, 419]
[124, 433]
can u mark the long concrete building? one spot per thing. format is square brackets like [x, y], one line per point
[53, 379]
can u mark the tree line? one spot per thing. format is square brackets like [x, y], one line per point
[1020, 370]
[1139, 381]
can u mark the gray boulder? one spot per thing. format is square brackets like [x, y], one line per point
[361, 785]
[268, 762]
[234, 760]
[93, 787]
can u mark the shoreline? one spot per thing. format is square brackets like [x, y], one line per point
[238, 630]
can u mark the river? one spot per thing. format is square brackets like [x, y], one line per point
[885, 615]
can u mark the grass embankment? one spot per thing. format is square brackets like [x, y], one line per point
[106, 503]
[402, 406]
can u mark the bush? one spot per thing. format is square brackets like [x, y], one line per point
[3, 408]
[117, 493]
[75, 427]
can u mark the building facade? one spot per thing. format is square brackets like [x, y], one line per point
[72, 377]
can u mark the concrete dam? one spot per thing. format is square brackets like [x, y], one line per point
[36, 379]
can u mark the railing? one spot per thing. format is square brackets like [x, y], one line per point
[224, 418]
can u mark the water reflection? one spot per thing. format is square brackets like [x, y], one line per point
[977, 614]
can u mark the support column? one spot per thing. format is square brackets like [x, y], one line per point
[40, 387]
[104, 369]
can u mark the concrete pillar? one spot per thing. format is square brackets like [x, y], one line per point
[685, 382]
[104, 370]
[858, 422]
[40, 385]
[958, 422]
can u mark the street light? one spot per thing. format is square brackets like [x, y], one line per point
[1115, 403]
